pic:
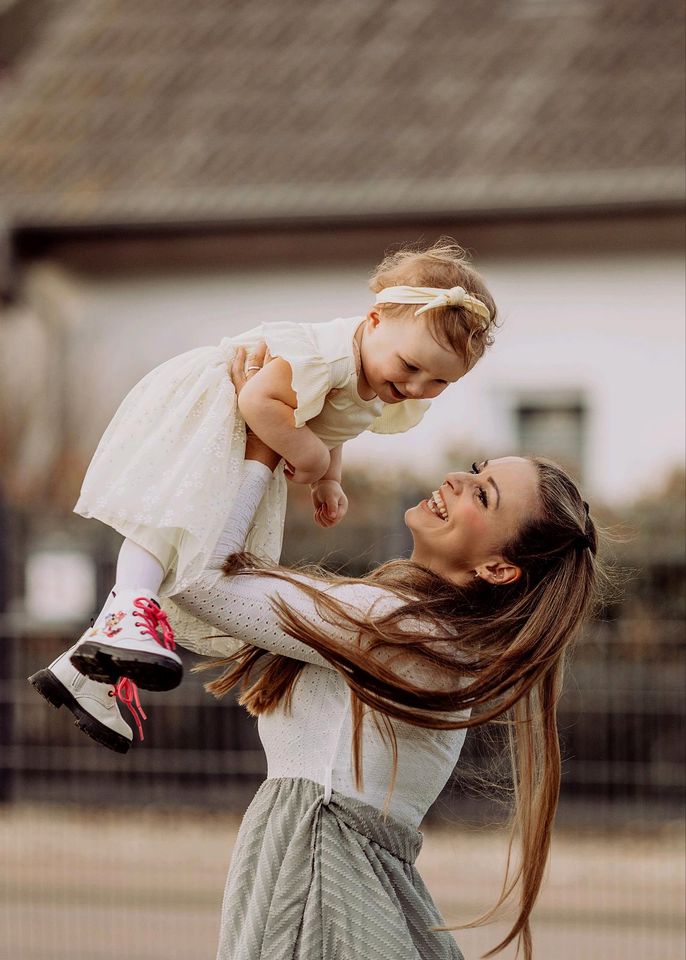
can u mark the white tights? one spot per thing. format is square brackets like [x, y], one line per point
[137, 568]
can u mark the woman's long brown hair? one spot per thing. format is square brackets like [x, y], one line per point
[499, 649]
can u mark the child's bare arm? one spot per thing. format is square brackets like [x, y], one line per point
[336, 464]
[267, 403]
[328, 498]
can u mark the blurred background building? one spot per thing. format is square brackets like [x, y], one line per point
[171, 174]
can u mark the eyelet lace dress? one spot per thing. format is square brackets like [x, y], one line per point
[318, 873]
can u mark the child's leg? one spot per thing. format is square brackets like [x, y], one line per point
[136, 568]
[94, 705]
[131, 636]
[93, 701]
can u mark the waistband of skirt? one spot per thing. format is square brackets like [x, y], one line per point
[399, 839]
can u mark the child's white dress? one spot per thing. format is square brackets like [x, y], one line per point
[166, 470]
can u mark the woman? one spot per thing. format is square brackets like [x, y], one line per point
[364, 689]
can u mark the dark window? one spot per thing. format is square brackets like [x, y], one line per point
[553, 425]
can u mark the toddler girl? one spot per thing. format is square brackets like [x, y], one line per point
[167, 468]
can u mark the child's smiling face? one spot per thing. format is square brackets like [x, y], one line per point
[401, 360]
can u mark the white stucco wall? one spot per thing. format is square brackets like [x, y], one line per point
[610, 327]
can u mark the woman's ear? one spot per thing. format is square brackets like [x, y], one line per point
[499, 572]
[373, 317]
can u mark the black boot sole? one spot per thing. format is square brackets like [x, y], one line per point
[107, 664]
[52, 690]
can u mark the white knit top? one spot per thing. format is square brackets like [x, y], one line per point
[314, 739]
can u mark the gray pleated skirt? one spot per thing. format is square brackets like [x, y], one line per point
[316, 881]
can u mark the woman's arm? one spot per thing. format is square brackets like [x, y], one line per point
[267, 402]
[241, 606]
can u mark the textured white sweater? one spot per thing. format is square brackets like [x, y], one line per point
[314, 739]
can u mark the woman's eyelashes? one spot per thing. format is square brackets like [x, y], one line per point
[481, 491]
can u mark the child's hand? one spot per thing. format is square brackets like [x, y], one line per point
[330, 503]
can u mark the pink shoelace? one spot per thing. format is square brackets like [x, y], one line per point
[154, 617]
[126, 691]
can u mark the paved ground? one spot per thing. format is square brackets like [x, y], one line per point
[85, 885]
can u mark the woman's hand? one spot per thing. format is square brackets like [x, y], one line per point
[313, 458]
[330, 503]
[244, 366]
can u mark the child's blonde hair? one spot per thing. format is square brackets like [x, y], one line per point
[444, 265]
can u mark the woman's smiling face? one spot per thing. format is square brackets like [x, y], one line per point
[461, 531]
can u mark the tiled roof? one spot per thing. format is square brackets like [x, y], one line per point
[161, 110]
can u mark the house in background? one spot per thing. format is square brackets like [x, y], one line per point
[173, 175]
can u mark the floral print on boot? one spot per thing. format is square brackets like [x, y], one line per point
[133, 639]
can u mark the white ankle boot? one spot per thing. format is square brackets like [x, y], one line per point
[132, 638]
[93, 704]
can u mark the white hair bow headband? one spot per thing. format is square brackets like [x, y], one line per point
[433, 297]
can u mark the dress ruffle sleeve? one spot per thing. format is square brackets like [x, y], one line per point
[399, 417]
[311, 374]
